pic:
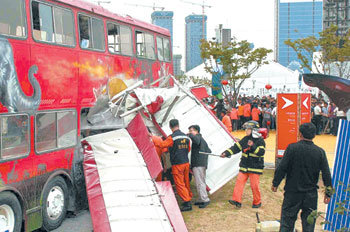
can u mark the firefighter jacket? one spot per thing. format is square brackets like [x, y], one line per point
[252, 160]
[179, 147]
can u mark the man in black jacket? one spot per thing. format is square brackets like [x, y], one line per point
[199, 164]
[251, 165]
[301, 165]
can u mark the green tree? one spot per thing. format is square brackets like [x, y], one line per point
[238, 59]
[342, 208]
[330, 53]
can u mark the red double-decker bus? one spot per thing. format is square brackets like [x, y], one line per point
[53, 54]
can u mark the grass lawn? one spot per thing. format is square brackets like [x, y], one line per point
[222, 216]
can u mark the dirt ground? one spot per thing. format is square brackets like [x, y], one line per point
[222, 216]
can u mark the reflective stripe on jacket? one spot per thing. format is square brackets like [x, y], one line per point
[252, 160]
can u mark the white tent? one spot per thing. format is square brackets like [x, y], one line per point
[279, 77]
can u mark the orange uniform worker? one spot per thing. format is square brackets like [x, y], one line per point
[240, 114]
[255, 113]
[226, 120]
[157, 141]
[179, 147]
[234, 118]
[251, 165]
[247, 112]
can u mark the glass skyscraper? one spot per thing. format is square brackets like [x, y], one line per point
[337, 13]
[164, 19]
[177, 64]
[194, 33]
[295, 19]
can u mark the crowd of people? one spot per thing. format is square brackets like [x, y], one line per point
[301, 180]
[251, 113]
[325, 115]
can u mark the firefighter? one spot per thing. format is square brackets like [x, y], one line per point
[251, 166]
[179, 147]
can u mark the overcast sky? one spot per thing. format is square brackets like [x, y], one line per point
[252, 20]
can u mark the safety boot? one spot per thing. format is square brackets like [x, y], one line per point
[187, 206]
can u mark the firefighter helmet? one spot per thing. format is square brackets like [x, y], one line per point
[251, 125]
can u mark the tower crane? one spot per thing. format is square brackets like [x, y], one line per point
[154, 7]
[99, 2]
[203, 5]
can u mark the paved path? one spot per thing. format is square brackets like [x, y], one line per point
[80, 223]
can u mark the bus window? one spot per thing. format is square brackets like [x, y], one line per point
[45, 132]
[145, 45]
[98, 34]
[140, 44]
[91, 33]
[12, 18]
[64, 26]
[67, 129]
[42, 22]
[113, 38]
[160, 49]
[52, 24]
[126, 41]
[163, 47]
[54, 130]
[85, 35]
[150, 48]
[167, 56]
[14, 136]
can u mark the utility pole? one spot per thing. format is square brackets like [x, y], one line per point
[203, 6]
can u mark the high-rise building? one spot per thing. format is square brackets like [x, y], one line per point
[164, 19]
[177, 65]
[295, 19]
[337, 13]
[195, 31]
[222, 35]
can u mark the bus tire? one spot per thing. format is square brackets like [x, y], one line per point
[11, 211]
[55, 202]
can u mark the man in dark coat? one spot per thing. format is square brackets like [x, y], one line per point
[199, 164]
[301, 165]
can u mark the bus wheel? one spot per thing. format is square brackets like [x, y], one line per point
[55, 201]
[10, 213]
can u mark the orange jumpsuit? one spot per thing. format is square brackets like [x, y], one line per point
[180, 168]
[226, 120]
[255, 114]
[157, 141]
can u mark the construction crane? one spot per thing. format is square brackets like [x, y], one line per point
[99, 2]
[203, 6]
[154, 7]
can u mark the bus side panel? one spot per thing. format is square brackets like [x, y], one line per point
[121, 67]
[15, 84]
[57, 75]
[93, 75]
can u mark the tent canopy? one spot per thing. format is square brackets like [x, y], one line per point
[279, 77]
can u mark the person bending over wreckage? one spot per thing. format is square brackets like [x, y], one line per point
[179, 146]
[251, 166]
